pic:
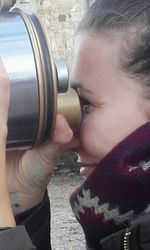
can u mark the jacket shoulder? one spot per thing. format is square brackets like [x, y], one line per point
[15, 239]
[135, 237]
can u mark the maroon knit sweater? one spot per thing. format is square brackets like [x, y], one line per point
[117, 191]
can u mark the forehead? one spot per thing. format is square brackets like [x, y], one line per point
[94, 54]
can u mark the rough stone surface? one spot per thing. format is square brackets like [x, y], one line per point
[66, 233]
[61, 19]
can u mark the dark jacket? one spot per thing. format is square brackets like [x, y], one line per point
[33, 232]
[136, 237]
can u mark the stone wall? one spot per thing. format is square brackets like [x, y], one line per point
[61, 18]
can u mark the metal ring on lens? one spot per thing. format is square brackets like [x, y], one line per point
[62, 75]
[40, 74]
[50, 79]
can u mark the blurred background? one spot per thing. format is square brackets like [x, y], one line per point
[60, 18]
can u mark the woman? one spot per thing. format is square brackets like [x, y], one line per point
[111, 74]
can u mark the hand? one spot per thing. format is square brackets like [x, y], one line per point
[6, 214]
[29, 172]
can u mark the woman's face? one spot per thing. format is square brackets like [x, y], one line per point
[115, 105]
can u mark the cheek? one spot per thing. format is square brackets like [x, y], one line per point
[101, 132]
[98, 140]
[93, 136]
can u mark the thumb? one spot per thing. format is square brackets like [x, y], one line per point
[61, 137]
[63, 134]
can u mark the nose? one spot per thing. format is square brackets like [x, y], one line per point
[74, 144]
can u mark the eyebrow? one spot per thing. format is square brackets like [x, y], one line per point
[75, 85]
[78, 85]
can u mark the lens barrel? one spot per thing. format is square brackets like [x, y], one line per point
[36, 81]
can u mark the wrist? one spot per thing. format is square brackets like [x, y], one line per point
[22, 202]
[6, 213]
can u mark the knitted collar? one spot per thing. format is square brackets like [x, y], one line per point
[117, 191]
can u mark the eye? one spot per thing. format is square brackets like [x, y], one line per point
[85, 104]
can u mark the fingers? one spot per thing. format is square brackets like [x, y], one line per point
[72, 145]
[4, 91]
[63, 133]
[61, 137]
[62, 140]
[4, 101]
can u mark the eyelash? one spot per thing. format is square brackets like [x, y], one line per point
[85, 104]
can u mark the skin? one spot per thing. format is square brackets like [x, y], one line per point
[24, 175]
[116, 108]
[6, 214]
[29, 172]
[116, 102]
